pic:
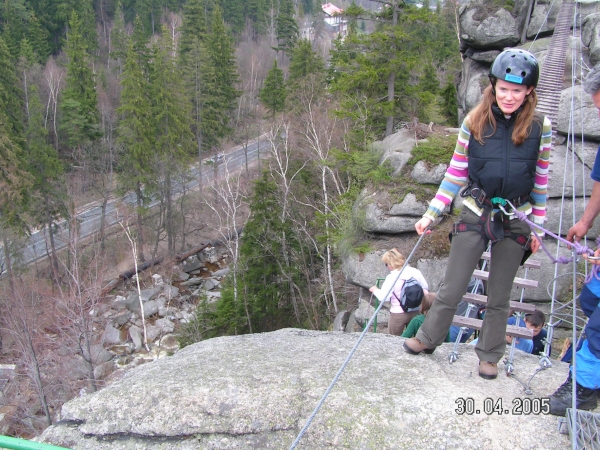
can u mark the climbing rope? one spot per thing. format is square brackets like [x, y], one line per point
[360, 338]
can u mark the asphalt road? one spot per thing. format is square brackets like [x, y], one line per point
[89, 218]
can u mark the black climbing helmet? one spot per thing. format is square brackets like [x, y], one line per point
[516, 66]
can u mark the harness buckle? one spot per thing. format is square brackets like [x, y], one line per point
[478, 195]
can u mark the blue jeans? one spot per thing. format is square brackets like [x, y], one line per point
[588, 357]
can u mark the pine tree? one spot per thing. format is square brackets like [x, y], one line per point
[149, 13]
[429, 81]
[170, 109]
[257, 12]
[79, 103]
[233, 14]
[139, 38]
[14, 179]
[450, 108]
[48, 193]
[193, 26]
[286, 27]
[383, 64]
[11, 98]
[222, 55]
[273, 93]
[136, 135]
[304, 61]
[119, 39]
[261, 254]
[87, 29]
[209, 118]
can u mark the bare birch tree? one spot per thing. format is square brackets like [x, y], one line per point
[317, 129]
[55, 81]
[23, 320]
[283, 175]
[227, 207]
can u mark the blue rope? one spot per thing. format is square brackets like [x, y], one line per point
[360, 338]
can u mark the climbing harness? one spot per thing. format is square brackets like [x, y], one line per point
[494, 226]
[360, 338]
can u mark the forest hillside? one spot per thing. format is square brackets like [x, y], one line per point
[103, 99]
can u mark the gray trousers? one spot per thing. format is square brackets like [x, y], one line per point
[465, 253]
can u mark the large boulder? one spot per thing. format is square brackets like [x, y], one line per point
[484, 26]
[560, 213]
[424, 174]
[543, 18]
[590, 36]
[396, 149]
[366, 309]
[257, 392]
[474, 79]
[563, 175]
[585, 114]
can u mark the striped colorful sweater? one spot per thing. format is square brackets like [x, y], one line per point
[457, 176]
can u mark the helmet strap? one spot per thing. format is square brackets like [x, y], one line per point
[493, 83]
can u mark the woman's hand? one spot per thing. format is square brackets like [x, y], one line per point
[535, 244]
[422, 225]
[373, 289]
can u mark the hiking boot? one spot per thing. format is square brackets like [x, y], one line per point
[562, 399]
[488, 370]
[414, 346]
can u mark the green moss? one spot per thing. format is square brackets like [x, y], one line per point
[437, 149]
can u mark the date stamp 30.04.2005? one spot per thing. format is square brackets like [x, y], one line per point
[490, 406]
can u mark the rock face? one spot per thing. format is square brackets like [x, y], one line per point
[252, 392]
[485, 29]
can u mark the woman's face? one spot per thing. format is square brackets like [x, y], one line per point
[510, 96]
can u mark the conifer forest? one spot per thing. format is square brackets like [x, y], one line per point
[101, 99]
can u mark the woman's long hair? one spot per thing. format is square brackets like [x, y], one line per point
[482, 115]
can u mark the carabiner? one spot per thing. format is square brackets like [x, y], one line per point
[501, 208]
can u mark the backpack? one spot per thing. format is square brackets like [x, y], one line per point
[411, 295]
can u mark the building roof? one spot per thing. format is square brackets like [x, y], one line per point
[330, 9]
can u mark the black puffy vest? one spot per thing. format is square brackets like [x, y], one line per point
[500, 167]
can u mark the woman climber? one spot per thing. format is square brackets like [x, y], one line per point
[502, 157]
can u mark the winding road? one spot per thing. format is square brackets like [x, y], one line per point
[89, 217]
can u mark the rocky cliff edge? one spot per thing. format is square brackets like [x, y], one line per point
[257, 392]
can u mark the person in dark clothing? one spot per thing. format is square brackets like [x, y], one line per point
[535, 322]
[502, 154]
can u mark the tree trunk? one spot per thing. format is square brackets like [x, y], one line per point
[246, 307]
[7, 262]
[199, 140]
[140, 222]
[102, 224]
[87, 355]
[53, 257]
[169, 214]
[258, 154]
[328, 247]
[37, 375]
[389, 125]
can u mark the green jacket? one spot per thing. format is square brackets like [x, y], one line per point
[415, 324]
